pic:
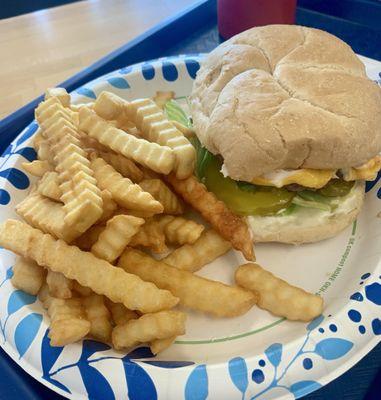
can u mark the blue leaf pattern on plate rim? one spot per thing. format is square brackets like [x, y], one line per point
[326, 348]
[197, 385]
[26, 331]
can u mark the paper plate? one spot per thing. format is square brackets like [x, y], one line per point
[255, 356]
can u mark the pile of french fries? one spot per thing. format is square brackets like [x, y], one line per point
[105, 241]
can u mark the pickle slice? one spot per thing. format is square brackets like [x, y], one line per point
[262, 200]
[336, 188]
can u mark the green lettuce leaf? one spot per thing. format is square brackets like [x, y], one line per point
[299, 201]
[203, 157]
[174, 112]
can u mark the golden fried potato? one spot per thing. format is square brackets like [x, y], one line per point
[148, 327]
[42, 147]
[68, 321]
[37, 167]
[82, 198]
[48, 186]
[28, 276]
[230, 226]
[87, 239]
[162, 97]
[151, 236]
[77, 107]
[149, 174]
[159, 158]
[80, 194]
[192, 257]
[113, 240]
[123, 165]
[109, 105]
[278, 296]
[187, 132]
[109, 206]
[46, 215]
[49, 112]
[193, 291]
[99, 317]
[159, 345]
[134, 213]
[124, 192]
[112, 108]
[59, 93]
[178, 230]
[59, 286]
[120, 314]
[81, 290]
[102, 277]
[163, 194]
[155, 127]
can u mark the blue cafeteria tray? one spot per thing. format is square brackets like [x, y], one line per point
[193, 31]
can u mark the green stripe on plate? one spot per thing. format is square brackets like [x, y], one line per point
[226, 339]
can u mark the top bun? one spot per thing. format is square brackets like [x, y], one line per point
[283, 96]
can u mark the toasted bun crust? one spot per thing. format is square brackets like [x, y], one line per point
[283, 96]
[292, 234]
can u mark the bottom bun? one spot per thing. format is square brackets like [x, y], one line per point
[308, 225]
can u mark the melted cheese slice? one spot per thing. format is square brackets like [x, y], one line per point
[311, 178]
[367, 171]
[317, 178]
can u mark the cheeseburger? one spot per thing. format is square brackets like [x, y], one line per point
[289, 129]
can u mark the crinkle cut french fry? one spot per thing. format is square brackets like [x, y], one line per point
[113, 240]
[81, 290]
[109, 106]
[46, 215]
[59, 93]
[123, 165]
[99, 317]
[148, 327]
[28, 276]
[48, 186]
[277, 295]
[90, 144]
[59, 286]
[192, 257]
[193, 291]
[187, 132]
[178, 230]
[68, 322]
[82, 198]
[42, 147]
[37, 138]
[44, 296]
[159, 158]
[80, 194]
[135, 213]
[77, 107]
[151, 236]
[149, 174]
[37, 167]
[49, 108]
[120, 314]
[109, 206]
[159, 345]
[155, 126]
[230, 226]
[102, 277]
[162, 193]
[87, 239]
[124, 192]
[162, 97]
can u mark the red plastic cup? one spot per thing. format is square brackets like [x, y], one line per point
[235, 16]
